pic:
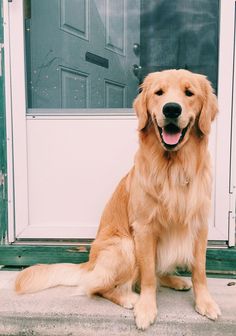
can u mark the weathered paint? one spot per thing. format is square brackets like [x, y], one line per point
[19, 255]
[220, 262]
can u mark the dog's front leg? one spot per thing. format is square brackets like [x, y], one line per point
[145, 310]
[205, 305]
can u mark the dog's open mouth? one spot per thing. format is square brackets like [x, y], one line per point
[172, 135]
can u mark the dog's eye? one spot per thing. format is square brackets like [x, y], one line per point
[160, 92]
[188, 93]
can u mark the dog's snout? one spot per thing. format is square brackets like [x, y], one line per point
[172, 110]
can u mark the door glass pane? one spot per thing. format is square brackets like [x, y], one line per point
[180, 34]
[93, 54]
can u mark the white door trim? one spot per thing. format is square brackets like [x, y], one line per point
[10, 196]
[232, 186]
[225, 91]
[15, 115]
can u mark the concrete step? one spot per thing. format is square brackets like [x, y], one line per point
[59, 311]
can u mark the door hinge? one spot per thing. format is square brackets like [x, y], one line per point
[232, 201]
[232, 217]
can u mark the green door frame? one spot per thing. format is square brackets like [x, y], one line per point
[220, 261]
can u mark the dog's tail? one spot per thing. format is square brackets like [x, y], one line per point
[39, 277]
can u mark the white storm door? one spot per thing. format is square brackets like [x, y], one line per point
[77, 126]
[71, 81]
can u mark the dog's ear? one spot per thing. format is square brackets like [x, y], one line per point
[140, 102]
[209, 106]
[140, 107]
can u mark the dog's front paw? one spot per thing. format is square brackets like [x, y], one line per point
[208, 307]
[145, 313]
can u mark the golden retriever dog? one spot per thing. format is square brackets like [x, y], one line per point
[157, 217]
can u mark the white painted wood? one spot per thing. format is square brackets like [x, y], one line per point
[73, 167]
[213, 234]
[16, 108]
[232, 186]
[11, 229]
[61, 185]
[222, 155]
[65, 112]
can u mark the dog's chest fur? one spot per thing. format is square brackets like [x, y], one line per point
[175, 249]
[179, 212]
[178, 221]
[176, 201]
[175, 197]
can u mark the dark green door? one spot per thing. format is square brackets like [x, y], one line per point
[80, 53]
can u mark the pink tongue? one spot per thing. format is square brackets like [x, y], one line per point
[171, 138]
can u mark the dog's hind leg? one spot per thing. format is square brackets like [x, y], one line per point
[122, 295]
[113, 272]
[114, 265]
[174, 282]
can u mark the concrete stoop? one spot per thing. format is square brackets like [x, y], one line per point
[59, 311]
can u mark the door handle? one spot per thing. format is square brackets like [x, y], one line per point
[136, 49]
[137, 69]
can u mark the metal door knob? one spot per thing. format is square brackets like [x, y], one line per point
[136, 49]
[137, 70]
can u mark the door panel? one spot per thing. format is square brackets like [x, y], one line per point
[74, 18]
[114, 94]
[74, 89]
[73, 173]
[115, 26]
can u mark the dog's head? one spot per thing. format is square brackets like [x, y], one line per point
[175, 102]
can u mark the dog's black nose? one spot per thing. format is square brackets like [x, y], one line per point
[172, 110]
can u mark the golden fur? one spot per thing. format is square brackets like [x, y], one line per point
[157, 217]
